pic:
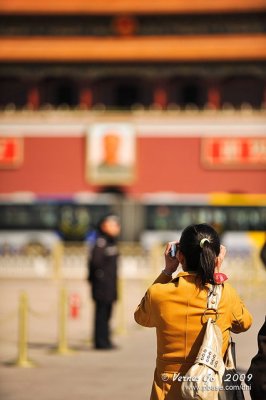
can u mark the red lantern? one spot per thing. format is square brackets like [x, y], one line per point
[125, 25]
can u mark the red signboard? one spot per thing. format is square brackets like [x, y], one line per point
[234, 152]
[11, 152]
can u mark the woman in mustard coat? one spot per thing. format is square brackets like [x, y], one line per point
[175, 307]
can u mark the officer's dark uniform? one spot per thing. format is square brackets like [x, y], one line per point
[103, 278]
[257, 369]
[263, 254]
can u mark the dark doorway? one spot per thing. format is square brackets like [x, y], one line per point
[126, 95]
[65, 94]
[239, 90]
[190, 94]
[116, 190]
[185, 91]
[58, 91]
[13, 91]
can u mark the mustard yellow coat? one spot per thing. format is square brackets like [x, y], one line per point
[176, 310]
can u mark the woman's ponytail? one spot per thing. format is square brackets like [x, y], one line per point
[206, 263]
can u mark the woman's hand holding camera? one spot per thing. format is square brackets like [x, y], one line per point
[171, 258]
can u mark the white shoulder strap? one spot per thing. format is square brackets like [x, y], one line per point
[214, 296]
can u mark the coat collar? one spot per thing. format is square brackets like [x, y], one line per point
[186, 273]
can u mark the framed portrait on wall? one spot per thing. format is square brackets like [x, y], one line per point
[111, 154]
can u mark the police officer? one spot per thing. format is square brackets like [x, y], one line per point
[263, 253]
[257, 369]
[103, 278]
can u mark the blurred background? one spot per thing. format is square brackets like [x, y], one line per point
[154, 110]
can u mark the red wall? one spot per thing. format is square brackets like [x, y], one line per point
[56, 166]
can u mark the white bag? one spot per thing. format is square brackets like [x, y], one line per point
[204, 379]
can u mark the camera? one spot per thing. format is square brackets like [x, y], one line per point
[173, 250]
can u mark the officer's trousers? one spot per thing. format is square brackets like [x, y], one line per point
[103, 313]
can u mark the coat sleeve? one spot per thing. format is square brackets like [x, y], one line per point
[143, 314]
[241, 318]
[96, 261]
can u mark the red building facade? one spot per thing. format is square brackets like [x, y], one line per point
[170, 154]
[180, 74]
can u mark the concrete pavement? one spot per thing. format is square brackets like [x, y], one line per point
[125, 373]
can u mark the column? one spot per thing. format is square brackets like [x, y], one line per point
[33, 97]
[214, 96]
[85, 96]
[160, 96]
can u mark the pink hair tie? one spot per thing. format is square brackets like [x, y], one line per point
[219, 278]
